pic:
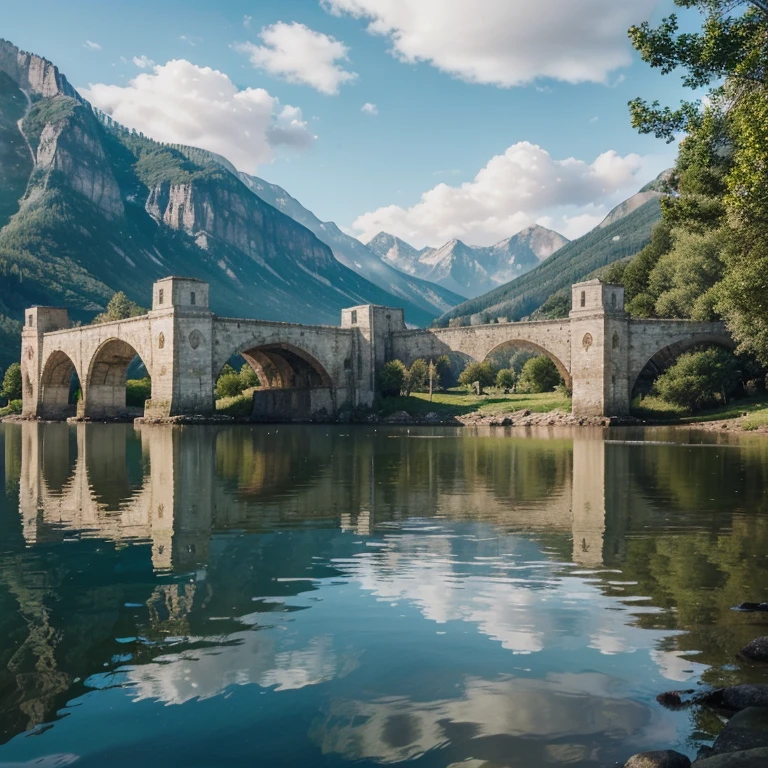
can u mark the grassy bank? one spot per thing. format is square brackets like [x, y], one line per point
[458, 402]
[752, 410]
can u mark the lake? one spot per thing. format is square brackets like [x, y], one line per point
[337, 595]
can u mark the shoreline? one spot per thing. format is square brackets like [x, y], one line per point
[522, 418]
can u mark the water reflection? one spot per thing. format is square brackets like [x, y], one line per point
[363, 595]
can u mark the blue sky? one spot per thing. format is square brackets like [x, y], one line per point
[451, 91]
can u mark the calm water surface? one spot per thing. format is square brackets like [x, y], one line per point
[314, 596]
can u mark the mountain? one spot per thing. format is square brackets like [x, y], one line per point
[425, 295]
[624, 236]
[470, 269]
[396, 252]
[630, 205]
[88, 208]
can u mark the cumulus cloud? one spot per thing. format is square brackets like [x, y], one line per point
[506, 43]
[298, 54]
[91, 46]
[179, 102]
[143, 62]
[369, 109]
[522, 186]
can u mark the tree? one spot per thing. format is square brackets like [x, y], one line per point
[729, 49]
[698, 378]
[248, 377]
[416, 380]
[506, 378]
[722, 169]
[484, 373]
[392, 378]
[539, 374]
[11, 389]
[229, 383]
[120, 307]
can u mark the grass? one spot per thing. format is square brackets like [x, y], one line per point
[239, 406]
[459, 402]
[753, 409]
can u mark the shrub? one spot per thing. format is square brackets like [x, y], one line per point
[120, 307]
[229, 385]
[11, 389]
[392, 378]
[14, 406]
[539, 374]
[506, 378]
[137, 391]
[484, 373]
[698, 378]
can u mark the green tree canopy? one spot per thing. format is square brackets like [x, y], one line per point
[392, 378]
[120, 307]
[506, 378]
[697, 378]
[416, 379]
[539, 374]
[11, 389]
[485, 373]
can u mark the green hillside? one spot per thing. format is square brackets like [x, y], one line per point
[572, 263]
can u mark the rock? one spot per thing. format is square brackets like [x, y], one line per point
[398, 417]
[757, 650]
[747, 729]
[749, 607]
[738, 697]
[674, 699]
[663, 758]
[432, 417]
[751, 758]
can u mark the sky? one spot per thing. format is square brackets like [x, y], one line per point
[428, 119]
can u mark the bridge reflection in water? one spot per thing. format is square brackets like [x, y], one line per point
[76, 479]
[378, 588]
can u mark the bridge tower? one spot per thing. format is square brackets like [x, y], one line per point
[371, 347]
[182, 348]
[37, 322]
[599, 350]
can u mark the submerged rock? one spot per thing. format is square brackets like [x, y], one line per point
[747, 729]
[751, 607]
[663, 758]
[750, 758]
[757, 650]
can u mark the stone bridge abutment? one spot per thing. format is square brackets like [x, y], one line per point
[309, 371]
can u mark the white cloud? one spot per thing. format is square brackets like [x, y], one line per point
[91, 46]
[300, 55]
[247, 21]
[594, 119]
[369, 109]
[143, 62]
[506, 43]
[522, 186]
[179, 102]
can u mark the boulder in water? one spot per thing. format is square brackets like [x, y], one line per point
[663, 758]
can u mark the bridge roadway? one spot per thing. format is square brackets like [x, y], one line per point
[310, 372]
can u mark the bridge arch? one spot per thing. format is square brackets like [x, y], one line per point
[104, 386]
[294, 383]
[643, 376]
[537, 349]
[56, 386]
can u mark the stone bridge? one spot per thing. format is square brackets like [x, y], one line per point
[311, 371]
